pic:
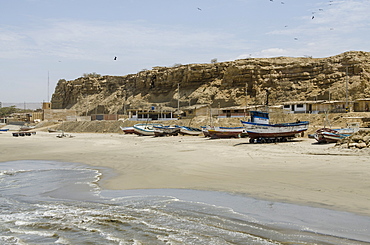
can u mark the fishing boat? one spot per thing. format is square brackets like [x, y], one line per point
[262, 133]
[166, 130]
[53, 130]
[205, 130]
[190, 131]
[26, 128]
[127, 130]
[227, 132]
[327, 135]
[145, 129]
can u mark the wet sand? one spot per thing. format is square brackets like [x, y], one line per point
[299, 172]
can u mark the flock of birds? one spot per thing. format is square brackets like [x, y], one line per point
[313, 17]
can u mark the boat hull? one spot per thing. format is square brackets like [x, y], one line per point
[145, 129]
[190, 131]
[257, 130]
[166, 131]
[128, 130]
[225, 132]
[326, 135]
[27, 128]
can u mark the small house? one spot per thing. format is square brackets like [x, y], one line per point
[317, 106]
[302, 106]
[151, 114]
[362, 105]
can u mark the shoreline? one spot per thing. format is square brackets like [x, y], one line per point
[297, 172]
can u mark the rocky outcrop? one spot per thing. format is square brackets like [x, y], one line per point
[359, 140]
[220, 84]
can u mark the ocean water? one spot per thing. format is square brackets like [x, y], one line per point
[46, 202]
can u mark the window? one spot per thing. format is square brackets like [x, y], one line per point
[287, 106]
[299, 105]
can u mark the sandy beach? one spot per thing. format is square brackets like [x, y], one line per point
[299, 172]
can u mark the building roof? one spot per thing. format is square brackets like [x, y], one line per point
[303, 102]
[363, 99]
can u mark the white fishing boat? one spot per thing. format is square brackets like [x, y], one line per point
[262, 133]
[145, 129]
[190, 131]
[26, 128]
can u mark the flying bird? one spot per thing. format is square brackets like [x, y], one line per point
[312, 17]
[199, 9]
[115, 57]
[295, 38]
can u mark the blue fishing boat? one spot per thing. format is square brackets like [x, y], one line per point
[260, 130]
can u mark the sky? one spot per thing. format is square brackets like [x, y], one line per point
[43, 41]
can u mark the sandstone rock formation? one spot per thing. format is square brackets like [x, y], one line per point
[220, 84]
[359, 140]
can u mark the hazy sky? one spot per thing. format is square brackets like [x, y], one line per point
[67, 38]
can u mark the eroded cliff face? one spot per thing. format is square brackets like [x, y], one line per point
[221, 84]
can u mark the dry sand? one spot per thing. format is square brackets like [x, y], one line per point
[300, 172]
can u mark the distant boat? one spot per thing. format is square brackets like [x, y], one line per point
[4, 129]
[26, 128]
[53, 130]
[227, 132]
[145, 129]
[166, 130]
[327, 135]
[190, 131]
[127, 130]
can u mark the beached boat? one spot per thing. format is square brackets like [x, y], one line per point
[53, 130]
[327, 135]
[205, 130]
[227, 132]
[258, 117]
[26, 128]
[145, 129]
[4, 129]
[127, 130]
[262, 133]
[190, 131]
[166, 131]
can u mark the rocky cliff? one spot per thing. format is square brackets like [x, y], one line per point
[220, 84]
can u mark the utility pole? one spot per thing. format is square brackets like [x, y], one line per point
[178, 100]
[347, 89]
[48, 88]
[246, 100]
